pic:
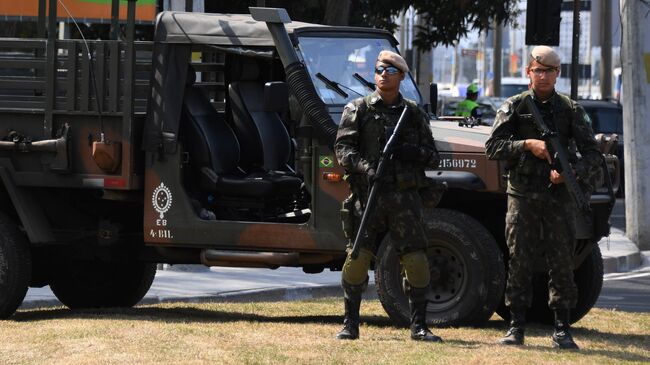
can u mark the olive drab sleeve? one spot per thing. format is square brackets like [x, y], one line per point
[583, 135]
[501, 145]
[346, 146]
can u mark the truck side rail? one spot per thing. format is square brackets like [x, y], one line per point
[23, 68]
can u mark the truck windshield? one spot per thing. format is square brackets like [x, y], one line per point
[339, 59]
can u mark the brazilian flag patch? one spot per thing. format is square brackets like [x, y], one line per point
[325, 161]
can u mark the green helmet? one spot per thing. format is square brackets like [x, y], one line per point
[472, 89]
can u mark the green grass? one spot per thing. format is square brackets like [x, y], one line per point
[299, 332]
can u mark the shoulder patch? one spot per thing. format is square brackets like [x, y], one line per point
[505, 108]
[350, 107]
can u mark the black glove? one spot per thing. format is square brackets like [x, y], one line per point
[371, 175]
[407, 152]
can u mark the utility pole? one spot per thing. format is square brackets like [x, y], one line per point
[606, 49]
[496, 65]
[635, 56]
[424, 68]
[575, 49]
[483, 60]
[415, 52]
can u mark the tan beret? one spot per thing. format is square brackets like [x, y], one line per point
[393, 59]
[545, 56]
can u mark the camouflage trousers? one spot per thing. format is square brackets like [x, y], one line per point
[535, 228]
[399, 213]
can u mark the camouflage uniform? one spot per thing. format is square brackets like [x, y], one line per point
[365, 127]
[541, 216]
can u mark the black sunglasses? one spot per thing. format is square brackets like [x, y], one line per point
[392, 70]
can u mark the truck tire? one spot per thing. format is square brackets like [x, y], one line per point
[97, 284]
[589, 280]
[15, 267]
[467, 273]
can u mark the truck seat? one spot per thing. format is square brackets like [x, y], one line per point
[214, 154]
[262, 136]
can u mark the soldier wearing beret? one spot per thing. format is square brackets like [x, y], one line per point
[541, 214]
[366, 125]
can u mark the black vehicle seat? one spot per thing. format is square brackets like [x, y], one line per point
[214, 153]
[264, 140]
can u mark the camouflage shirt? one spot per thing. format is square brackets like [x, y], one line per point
[366, 125]
[528, 174]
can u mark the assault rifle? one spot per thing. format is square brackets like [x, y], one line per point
[561, 164]
[386, 154]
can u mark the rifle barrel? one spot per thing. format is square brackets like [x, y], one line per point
[372, 197]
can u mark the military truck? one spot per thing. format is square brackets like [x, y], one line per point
[212, 144]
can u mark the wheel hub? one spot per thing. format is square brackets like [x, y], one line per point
[448, 277]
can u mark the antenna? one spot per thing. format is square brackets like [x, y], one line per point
[93, 78]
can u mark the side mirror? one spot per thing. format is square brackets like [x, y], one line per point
[433, 98]
[276, 97]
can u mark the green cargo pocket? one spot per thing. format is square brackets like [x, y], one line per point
[431, 192]
[431, 195]
[406, 180]
[346, 222]
[347, 216]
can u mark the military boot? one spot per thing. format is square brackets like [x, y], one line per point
[418, 304]
[562, 338]
[352, 300]
[515, 334]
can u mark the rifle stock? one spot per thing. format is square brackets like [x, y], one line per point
[386, 154]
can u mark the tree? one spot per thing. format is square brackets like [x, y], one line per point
[446, 21]
[337, 12]
[452, 19]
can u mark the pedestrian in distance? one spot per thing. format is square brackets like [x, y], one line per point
[366, 125]
[469, 108]
[541, 217]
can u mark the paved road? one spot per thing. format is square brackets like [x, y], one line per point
[629, 291]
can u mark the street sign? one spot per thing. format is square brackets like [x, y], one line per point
[469, 52]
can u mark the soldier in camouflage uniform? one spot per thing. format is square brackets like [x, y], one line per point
[365, 127]
[541, 213]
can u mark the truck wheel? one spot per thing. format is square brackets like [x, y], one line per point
[467, 272]
[589, 280]
[15, 267]
[97, 284]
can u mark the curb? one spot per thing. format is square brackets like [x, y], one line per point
[258, 295]
[264, 295]
[619, 253]
[615, 264]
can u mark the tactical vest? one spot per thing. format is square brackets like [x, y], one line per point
[376, 126]
[531, 174]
